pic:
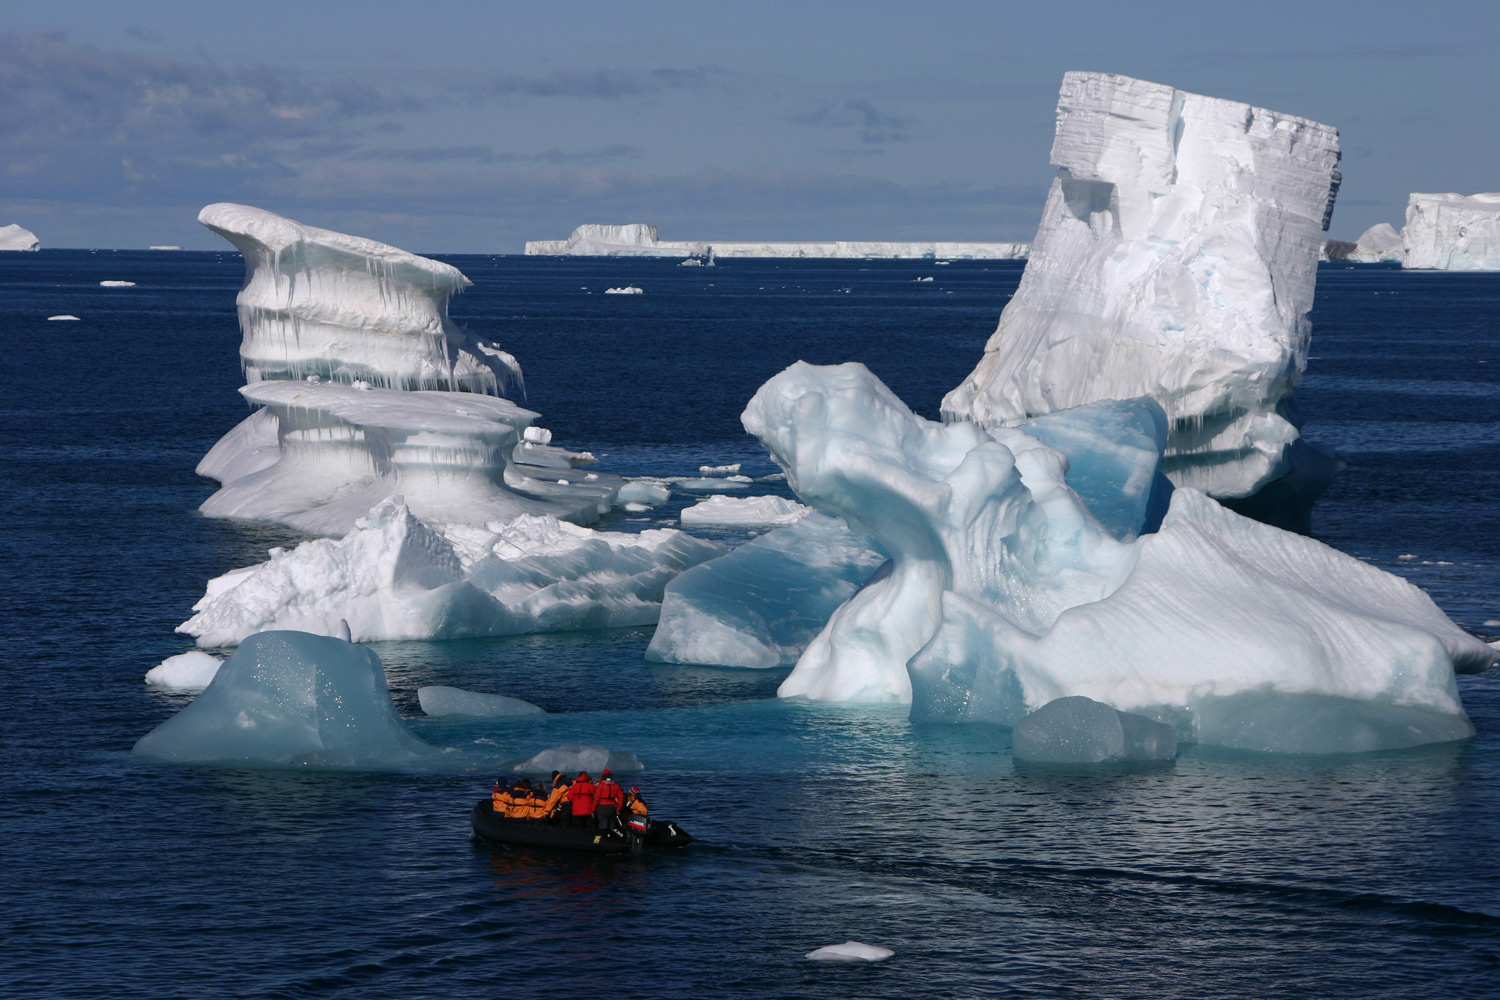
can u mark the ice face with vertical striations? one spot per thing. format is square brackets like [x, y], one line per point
[1381, 243]
[327, 453]
[14, 237]
[1005, 592]
[1452, 232]
[346, 309]
[1175, 259]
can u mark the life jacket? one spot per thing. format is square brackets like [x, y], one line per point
[500, 802]
[635, 806]
[607, 792]
[555, 799]
[520, 803]
[582, 797]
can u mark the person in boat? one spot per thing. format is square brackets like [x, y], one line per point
[523, 800]
[500, 798]
[634, 804]
[609, 799]
[554, 808]
[581, 797]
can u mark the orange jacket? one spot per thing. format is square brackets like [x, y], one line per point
[554, 800]
[635, 805]
[500, 802]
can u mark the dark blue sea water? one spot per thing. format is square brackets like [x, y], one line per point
[1217, 875]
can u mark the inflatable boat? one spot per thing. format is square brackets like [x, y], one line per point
[634, 834]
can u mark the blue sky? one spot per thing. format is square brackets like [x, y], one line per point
[473, 127]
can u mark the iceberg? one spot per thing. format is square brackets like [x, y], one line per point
[397, 577]
[1452, 232]
[754, 511]
[317, 456]
[570, 758]
[850, 951]
[439, 701]
[640, 240]
[1175, 259]
[13, 237]
[762, 603]
[1078, 730]
[190, 671]
[1381, 243]
[289, 699]
[346, 308]
[1005, 592]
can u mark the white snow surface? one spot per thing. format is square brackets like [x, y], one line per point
[289, 699]
[640, 240]
[1175, 259]
[770, 511]
[1452, 232]
[440, 701]
[190, 671]
[321, 454]
[13, 237]
[396, 577]
[347, 308]
[1006, 593]
[850, 951]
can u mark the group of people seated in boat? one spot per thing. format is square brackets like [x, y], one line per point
[569, 802]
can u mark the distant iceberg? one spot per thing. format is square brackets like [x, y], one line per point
[1176, 259]
[13, 237]
[1452, 232]
[640, 240]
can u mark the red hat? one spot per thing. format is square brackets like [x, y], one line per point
[635, 789]
[604, 773]
[584, 775]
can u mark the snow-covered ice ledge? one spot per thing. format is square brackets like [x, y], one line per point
[640, 240]
[1176, 259]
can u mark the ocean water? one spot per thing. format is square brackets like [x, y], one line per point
[1219, 874]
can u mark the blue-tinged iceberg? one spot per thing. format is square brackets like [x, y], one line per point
[289, 699]
[1006, 592]
[1176, 259]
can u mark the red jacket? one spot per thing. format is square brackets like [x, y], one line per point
[608, 792]
[582, 797]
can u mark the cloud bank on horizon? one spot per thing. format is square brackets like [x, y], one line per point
[478, 133]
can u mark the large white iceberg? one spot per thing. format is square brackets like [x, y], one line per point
[1381, 243]
[13, 237]
[1452, 232]
[1005, 592]
[396, 577]
[289, 699]
[346, 308]
[639, 239]
[1175, 259]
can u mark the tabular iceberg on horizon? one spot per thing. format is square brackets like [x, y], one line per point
[639, 239]
[1452, 232]
[1005, 592]
[1176, 259]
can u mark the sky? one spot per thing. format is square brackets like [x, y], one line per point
[448, 127]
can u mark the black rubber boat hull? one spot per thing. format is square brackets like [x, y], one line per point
[526, 833]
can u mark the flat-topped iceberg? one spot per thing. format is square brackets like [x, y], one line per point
[318, 456]
[1005, 592]
[289, 699]
[640, 240]
[1175, 259]
[346, 308]
[396, 577]
[13, 237]
[768, 511]
[1452, 232]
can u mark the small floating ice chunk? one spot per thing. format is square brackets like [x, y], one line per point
[190, 671]
[850, 951]
[438, 701]
[924, 279]
[1079, 730]
[719, 470]
[570, 758]
[66, 316]
[644, 491]
[117, 284]
[537, 435]
[636, 508]
[627, 290]
[731, 483]
[768, 510]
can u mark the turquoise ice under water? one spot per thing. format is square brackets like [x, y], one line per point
[1218, 874]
